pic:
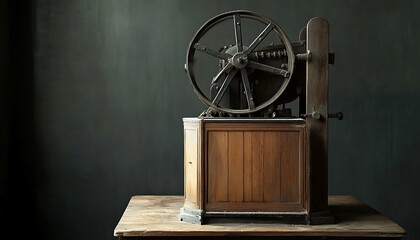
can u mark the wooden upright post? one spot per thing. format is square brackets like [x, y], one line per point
[317, 125]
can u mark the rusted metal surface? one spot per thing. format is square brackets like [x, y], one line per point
[238, 61]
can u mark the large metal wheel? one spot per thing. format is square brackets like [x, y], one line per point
[238, 61]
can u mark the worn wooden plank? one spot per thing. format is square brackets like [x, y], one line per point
[290, 162]
[236, 166]
[217, 162]
[247, 167]
[158, 216]
[193, 152]
[317, 100]
[272, 170]
[257, 166]
[190, 164]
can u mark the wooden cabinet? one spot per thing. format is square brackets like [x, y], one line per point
[239, 167]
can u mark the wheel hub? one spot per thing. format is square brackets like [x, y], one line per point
[239, 60]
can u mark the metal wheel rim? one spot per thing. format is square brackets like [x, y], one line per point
[210, 24]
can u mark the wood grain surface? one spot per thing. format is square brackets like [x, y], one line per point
[255, 167]
[317, 101]
[192, 163]
[153, 216]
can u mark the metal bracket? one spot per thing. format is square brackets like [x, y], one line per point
[304, 56]
[314, 115]
[338, 115]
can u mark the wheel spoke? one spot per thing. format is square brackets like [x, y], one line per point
[219, 74]
[248, 93]
[211, 52]
[238, 32]
[267, 68]
[260, 38]
[224, 86]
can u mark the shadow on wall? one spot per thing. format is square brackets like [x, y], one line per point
[21, 158]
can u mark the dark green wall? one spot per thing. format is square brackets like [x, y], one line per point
[99, 92]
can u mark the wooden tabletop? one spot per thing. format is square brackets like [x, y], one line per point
[151, 216]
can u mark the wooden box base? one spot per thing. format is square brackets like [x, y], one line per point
[246, 168]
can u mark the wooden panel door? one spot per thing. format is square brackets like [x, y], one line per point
[255, 167]
[192, 162]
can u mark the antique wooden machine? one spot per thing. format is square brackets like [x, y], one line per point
[249, 156]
